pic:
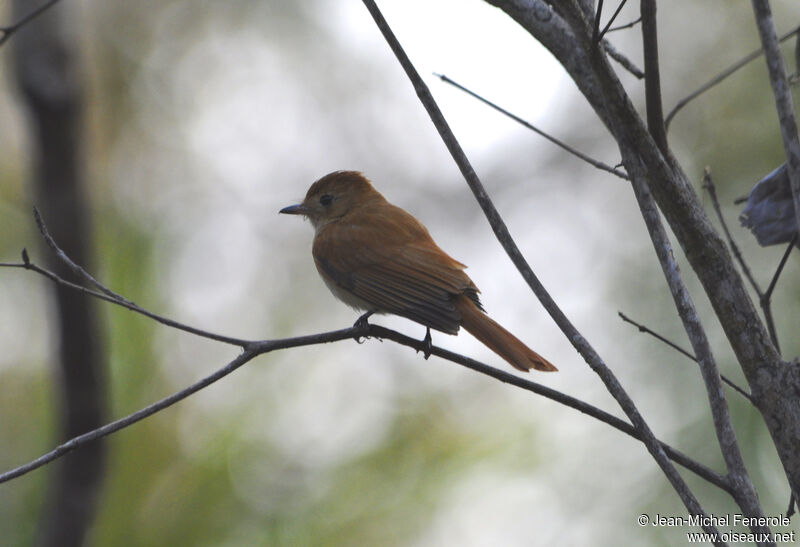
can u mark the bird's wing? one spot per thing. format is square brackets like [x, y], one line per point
[391, 262]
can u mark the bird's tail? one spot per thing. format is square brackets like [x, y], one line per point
[498, 339]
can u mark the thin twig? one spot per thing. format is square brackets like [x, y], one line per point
[784, 258]
[591, 357]
[642, 328]
[596, 29]
[253, 350]
[752, 56]
[78, 270]
[6, 32]
[610, 22]
[258, 347]
[646, 330]
[782, 92]
[765, 300]
[557, 396]
[652, 81]
[708, 185]
[745, 495]
[29, 265]
[626, 25]
[626, 63]
[596, 163]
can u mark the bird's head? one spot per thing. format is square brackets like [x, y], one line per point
[333, 196]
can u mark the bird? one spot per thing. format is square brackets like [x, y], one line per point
[769, 212]
[378, 258]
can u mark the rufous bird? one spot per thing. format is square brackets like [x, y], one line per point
[376, 257]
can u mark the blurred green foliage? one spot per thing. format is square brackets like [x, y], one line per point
[204, 119]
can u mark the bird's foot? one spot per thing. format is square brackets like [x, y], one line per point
[427, 344]
[362, 323]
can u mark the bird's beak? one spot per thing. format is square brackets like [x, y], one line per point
[298, 209]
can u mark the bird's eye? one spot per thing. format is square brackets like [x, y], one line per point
[326, 199]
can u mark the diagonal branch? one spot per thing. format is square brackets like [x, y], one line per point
[599, 37]
[752, 56]
[644, 329]
[588, 159]
[723, 425]
[764, 301]
[257, 348]
[783, 97]
[6, 32]
[103, 292]
[251, 351]
[253, 348]
[501, 231]
[626, 63]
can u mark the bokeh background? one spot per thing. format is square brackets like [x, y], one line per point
[205, 118]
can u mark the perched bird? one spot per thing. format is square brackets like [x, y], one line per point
[376, 257]
[769, 212]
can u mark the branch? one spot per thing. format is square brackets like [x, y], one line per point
[501, 232]
[626, 63]
[599, 164]
[596, 31]
[752, 56]
[773, 382]
[783, 97]
[745, 493]
[784, 258]
[257, 348]
[644, 329]
[626, 25]
[652, 81]
[104, 293]
[6, 32]
[764, 300]
[599, 37]
[708, 186]
[254, 348]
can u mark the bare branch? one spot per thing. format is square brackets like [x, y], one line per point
[104, 295]
[69, 263]
[626, 25]
[6, 32]
[599, 37]
[745, 494]
[644, 329]
[251, 351]
[784, 258]
[652, 81]
[561, 144]
[752, 56]
[596, 31]
[708, 185]
[783, 97]
[501, 231]
[626, 63]
[255, 348]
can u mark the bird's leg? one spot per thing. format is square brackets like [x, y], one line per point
[427, 343]
[362, 323]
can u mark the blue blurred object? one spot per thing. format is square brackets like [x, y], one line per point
[769, 212]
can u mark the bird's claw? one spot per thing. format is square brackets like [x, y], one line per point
[362, 323]
[427, 344]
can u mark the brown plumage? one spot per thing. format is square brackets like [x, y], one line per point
[376, 257]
